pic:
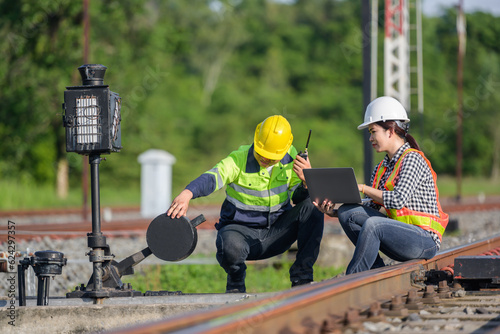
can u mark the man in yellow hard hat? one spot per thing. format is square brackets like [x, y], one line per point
[257, 219]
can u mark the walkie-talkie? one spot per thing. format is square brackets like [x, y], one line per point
[304, 154]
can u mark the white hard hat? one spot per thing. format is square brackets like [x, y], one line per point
[384, 108]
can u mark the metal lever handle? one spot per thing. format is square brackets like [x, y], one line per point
[125, 267]
[198, 220]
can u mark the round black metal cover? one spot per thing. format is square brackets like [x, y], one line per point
[49, 255]
[171, 239]
[48, 263]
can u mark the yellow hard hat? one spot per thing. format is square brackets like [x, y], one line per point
[273, 137]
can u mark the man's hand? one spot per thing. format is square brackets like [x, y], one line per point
[299, 164]
[327, 207]
[180, 204]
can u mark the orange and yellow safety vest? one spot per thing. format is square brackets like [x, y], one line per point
[428, 222]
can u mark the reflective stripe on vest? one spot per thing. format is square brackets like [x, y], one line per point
[426, 221]
[267, 200]
[218, 179]
[260, 208]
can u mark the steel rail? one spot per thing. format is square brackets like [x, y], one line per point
[314, 306]
[28, 230]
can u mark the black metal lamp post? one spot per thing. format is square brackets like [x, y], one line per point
[92, 120]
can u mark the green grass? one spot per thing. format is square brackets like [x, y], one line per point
[211, 278]
[29, 195]
[471, 186]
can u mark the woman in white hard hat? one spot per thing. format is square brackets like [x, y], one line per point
[404, 183]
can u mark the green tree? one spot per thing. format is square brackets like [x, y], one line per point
[39, 45]
[196, 77]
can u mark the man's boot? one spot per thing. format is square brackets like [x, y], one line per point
[235, 284]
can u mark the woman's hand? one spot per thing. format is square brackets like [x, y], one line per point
[327, 207]
[298, 165]
[180, 204]
[374, 194]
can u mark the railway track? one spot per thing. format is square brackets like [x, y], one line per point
[430, 296]
[449, 205]
[128, 221]
[412, 297]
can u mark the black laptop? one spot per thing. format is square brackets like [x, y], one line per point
[338, 185]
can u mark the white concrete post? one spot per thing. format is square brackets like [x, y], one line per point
[156, 182]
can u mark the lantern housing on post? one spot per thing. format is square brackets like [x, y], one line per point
[92, 114]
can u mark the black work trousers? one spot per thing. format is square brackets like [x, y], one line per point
[237, 243]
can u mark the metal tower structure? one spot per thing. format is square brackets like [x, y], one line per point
[403, 55]
[396, 52]
[416, 68]
[403, 75]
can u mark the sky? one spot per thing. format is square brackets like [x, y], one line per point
[433, 7]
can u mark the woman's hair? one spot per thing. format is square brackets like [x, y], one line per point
[400, 132]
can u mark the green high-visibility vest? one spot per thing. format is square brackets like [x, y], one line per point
[256, 190]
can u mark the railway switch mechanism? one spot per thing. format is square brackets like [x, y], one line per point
[92, 118]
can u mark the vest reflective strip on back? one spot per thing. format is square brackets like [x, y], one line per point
[424, 220]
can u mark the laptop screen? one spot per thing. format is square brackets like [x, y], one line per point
[338, 185]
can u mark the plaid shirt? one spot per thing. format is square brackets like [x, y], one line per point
[413, 186]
